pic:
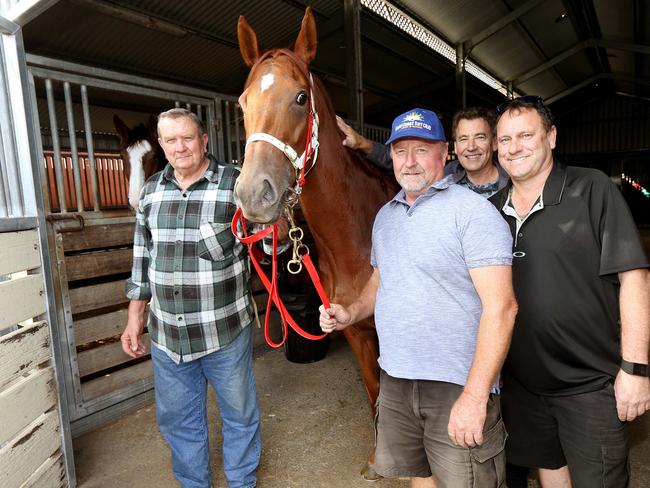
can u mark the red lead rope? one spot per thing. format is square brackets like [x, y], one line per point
[272, 285]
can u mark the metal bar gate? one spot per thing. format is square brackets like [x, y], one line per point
[90, 228]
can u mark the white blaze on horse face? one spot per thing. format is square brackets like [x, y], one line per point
[267, 81]
[136, 180]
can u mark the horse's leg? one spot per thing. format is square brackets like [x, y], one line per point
[362, 338]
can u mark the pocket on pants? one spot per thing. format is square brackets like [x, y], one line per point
[489, 459]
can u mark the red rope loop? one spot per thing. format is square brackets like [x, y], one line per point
[272, 284]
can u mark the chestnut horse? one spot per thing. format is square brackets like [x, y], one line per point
[141, 153]
[342, 193]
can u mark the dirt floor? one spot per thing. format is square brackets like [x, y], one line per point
[316, 431]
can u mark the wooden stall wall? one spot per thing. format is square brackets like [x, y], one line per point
[93, 261]
[93, 265]
[30, 438]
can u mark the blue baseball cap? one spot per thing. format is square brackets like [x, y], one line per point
[418, 122]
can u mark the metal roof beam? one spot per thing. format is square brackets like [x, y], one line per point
[638, 48]
[623, 46]
[396, 43]
[412, 94]
[573, 89]
[25, 10]
[607, 76]
[500, 24]
[552, 62]
[8, 27]
[628, 78]
[301, 5]
[153, 22]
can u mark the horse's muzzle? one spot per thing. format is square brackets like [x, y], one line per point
[261, 203]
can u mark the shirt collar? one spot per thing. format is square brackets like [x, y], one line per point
[211, 173]
[553, 188]
[555, 183]
[437, 186]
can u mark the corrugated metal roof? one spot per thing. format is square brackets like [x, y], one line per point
[194, 42]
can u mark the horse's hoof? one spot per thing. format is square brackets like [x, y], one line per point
[368, 473]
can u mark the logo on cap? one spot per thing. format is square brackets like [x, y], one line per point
[414, 120]
[413, 116]
[417, 122]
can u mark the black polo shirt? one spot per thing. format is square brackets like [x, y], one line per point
[566, 257]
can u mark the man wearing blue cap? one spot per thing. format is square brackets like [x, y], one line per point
[441, 292]
[474, 143]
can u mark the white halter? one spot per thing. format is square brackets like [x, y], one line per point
[298, 162]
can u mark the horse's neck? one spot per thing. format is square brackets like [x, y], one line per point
[340, 200]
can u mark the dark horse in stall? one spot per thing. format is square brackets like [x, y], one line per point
[141, 153]
[343, 192]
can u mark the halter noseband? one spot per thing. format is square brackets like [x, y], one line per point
[311, 146]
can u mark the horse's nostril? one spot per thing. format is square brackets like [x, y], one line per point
[268, 194]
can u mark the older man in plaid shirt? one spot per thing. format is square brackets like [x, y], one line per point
[187, 263]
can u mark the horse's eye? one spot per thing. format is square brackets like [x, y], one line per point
[301, 99]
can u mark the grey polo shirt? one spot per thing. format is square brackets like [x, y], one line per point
[427, 311]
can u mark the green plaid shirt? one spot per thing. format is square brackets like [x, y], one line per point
[187, 262]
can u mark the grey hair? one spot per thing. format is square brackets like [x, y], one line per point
[177, 113]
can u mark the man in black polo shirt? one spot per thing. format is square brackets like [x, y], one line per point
[573, 377]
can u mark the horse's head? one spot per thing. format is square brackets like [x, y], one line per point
[141, 154]
[276, 106]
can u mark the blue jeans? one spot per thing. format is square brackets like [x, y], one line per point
[181, 396]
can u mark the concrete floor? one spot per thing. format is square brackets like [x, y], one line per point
[316, 431]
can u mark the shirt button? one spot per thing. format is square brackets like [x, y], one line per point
[180, 319]
[184, 195]
[520, 234]
[178, 241]
[176, 292]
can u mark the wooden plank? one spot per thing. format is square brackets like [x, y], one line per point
[50, 474]
[101, 263]
[116, 380]
[29, 449]
[98, 236]
[98, 296]
[99, 327]
[21, 299]
[104, 357]
[20, 251]
[23, 350]
[24, 400]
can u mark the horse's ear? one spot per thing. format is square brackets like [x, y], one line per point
[307, 40]
[121, 128]
[248, 44]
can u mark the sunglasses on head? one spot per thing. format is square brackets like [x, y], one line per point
[532, 100]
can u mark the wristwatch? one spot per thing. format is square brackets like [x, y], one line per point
[637, 369]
